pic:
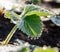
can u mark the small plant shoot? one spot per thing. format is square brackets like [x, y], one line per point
[29, 22]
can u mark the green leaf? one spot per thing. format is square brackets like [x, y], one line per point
[7, 14]
[56, 20]
[31, 25]
[13, 16]
[29, 8]
[38, 13]
[45, 49]
[34, 9]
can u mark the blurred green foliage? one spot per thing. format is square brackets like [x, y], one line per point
[45, 49]
[24, 49]
[39, 49]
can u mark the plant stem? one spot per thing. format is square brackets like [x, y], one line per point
[10, 35]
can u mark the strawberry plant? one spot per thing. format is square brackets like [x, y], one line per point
[29, 22]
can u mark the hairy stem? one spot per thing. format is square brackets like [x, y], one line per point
[10, 35]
